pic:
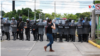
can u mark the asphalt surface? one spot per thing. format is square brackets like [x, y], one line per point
[35, 48]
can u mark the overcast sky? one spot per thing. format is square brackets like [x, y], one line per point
[62, 6]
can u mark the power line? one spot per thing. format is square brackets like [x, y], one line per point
[52, 4]
[49, 3]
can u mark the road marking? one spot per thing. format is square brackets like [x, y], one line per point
[32, 48]
[78, 49]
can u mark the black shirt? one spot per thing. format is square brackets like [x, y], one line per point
[49, 29]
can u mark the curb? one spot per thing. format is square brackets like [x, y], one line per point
[91, 42]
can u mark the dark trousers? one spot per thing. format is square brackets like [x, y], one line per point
[54, 36]
[2, 33]
[14, 35]
[80, 38]
[35, 36]
[66, 37]
[21, 35]
[41, 37]
[7, 35]
[72, 38]
[60, 37]
[50, 37]
[85, 38]
[27, 35]
[17, 34]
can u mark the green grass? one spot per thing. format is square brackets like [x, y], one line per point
[97, 41]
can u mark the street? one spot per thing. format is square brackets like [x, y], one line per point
[36, 48]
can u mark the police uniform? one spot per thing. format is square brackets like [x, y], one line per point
[80, 30]
[72, 30]
[27, 30]
[21, 28]
[14, 27]
[7, 28]
[34, 30]
[86, 27]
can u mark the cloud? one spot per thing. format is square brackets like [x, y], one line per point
[67, 6]
[6, 6]
[62, 6]
[29, 5]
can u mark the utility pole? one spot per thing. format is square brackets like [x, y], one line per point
[55, 8]
[35, 9]
[93, 1]
[93, 25]
[13, 5]
[39, 15]
[44, 16]
[1, 9]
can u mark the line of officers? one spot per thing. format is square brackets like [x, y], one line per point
[64, 29]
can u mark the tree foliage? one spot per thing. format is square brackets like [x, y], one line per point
[96, 1]
[24, 13]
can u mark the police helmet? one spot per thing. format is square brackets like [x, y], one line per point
[13, 18]
[86, 18]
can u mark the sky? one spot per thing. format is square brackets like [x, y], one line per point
[62, 6]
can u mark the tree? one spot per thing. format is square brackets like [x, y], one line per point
[38, 11]
[3, 13]
[96, 2]
[78, 15]
[24, 13]
[58, 15]
[70, 16]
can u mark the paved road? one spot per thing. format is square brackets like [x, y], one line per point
[35, 48]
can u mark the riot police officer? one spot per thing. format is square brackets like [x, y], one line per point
[69, 20]
[17, 29]
[72, 30]
[66, 30]
[14, 27]
[46, 24]
[34, 30]
[2, 27]
[7, 28]
[54, 31]
[86, 27]
[27, 29]
[80, 30]
[41, 29]
[20, 28]
[60, 30]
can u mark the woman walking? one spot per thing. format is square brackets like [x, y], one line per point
[49, 34]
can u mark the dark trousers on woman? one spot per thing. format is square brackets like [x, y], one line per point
[50, 37]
